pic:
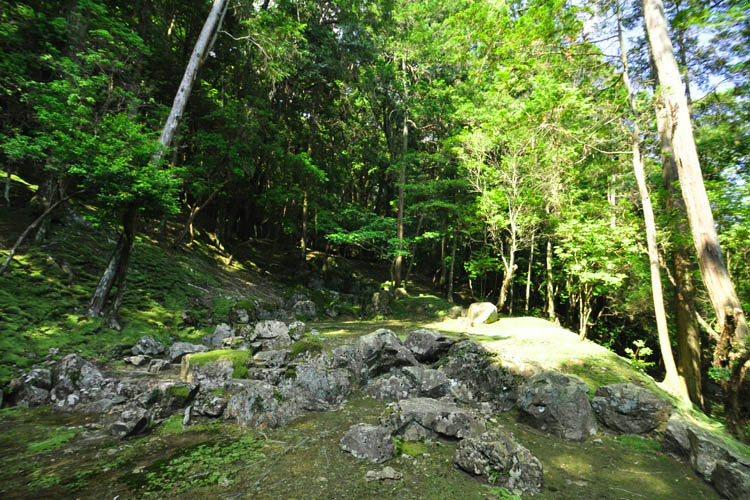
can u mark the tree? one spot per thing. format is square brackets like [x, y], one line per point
[732, 353]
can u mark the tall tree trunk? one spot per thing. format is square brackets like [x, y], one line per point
[211, 26]
[414, 252]
[6, 191]
[672, 381]
[191, 218]
[528, 273]
[401, 181]
[732, 348]
[550, 285]
[454, 244]
[443, 265]
[303, 243]
[117, 267]
[688, 336]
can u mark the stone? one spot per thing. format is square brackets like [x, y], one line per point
[216, 339]
[239, 315]
[187, 416]
[137, 360]
[558, 404]
[455, 312]
[270, 329]
[380, 303]
[209, 405]
[273, 376]
[39, 377]
[147, 346]
[260, 405]
[374, 354]
[210, 375]
[387, 473]
[427, 345]
[168, 397]
[630, 409]
[732, 480]
[479, 376]
[317, 388]
[707, 451]
[676, 439]
[422, 418]
[273, 358]
[370, 442]
[157, 365]
[296, 330]
[495, 456]
[30, 396]
[411, 381]
[179, 349]
[305, 308]
[481, 312]
[75, 380]
[132, 421]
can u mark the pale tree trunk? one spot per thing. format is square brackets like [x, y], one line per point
[303, 243]
[732, 352]
[672, 381]
[688, 336]
[528, 273]
[117, 267]
[550, 285]
[414, 252]
[6, 191]
[194, 210]
[443, 266]
[401, 181]
[454, 244]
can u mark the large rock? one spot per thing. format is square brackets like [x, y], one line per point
[305, 308]
[630, 409]
[732, 480]
[296, 330]
[32, 389]
[481, 312]
[411, 381]
[216, 339]
[676, 439]
[558, 404]
[707, 451]
[211, 375]
[272, 334]
[179, 349]
[422, 418]
[427, 345]
[131, 421]
[76, 380]
[374, 354]
[479, 375]
[316, 387]
[500, 460]
[260, 405]
[209, 404]
[368, 442]
[273, 358]
[147, 346]
[166, 398]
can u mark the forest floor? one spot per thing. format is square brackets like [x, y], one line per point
[44, 454]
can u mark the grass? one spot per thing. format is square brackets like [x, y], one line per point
[54, 440]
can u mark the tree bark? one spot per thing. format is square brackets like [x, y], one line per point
[401, 181]
[528, 273]
[731, 318]
[6, 191]
[191, 218]
[443, 266]
[672, 381]
[303, 243]
[186, 85]
[454, 244]
[688, 336]
[414, 252]
[550, 285]
[28, 230]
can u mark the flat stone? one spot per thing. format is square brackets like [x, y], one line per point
[368, 442]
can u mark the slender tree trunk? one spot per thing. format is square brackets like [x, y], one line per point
[6, 191]
[550, 285]
[191, 218]
[414, 252]
[117, 267]
[672, 381]
[688, 336]
[303, 243]
[28, 230]
[443, 266]
[454, 244]
[47, 193]
[528, 273]
[401, 181]
[732, 323]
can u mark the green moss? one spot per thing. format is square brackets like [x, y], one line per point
[179, 391]
[53, 441]
[240, 359]
[172, 425]
[411, 448]
[313, 346]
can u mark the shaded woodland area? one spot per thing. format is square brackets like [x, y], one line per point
[541, 155]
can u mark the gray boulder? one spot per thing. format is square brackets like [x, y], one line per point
[216, 339]
[296, 330]
[315, 387]
[131, 421]
[147, 346]
[480, 378]
[455, 312]
[387, 473]
[421, 418]
[179, 349]
[261, 405]
[211, 375]
[732, 480]
[76, 380]
[137, 360]
[676, 439]
[368, 442]
[558, 404]
[209, 405]
[305, 308]
[707, 451]
[39, 377]
[273, 376]
[411, 381]
[630, 409]
[500, 460]
[427, 345]
[374, 354]
[167, 397]
[273, 358]
[481, 312]
[272, 334]
[157, 365]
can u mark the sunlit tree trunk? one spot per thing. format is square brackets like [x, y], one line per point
[401, 181]
[672, 381]
[550, 285]
[732, 351]
[451, 267]
[528, 273]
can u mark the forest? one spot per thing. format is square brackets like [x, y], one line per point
[586, 162]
